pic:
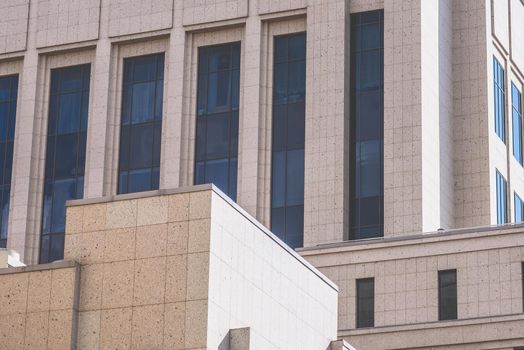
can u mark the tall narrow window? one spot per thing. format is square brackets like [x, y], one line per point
[216, 149]
[365, 302]
[287, 162]
[65, 158]
[447, 295]
[519, 209]
[367, 125]
[516, 103]
[141, 130]
[500, 99]
[502, 199]
[8, 95]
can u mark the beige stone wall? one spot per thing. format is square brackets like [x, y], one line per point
[179, 270]
[489, 284]
[38, 306]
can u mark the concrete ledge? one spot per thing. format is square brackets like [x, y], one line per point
[42, 267]
[471, 332]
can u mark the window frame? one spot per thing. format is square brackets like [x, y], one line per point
[359, 138]
[232, 112]
[359, 323]
[499, 101]
[441, 312]
[155, 122]
[48, 233]
[516, 115]
[502, 203]
[8, 145]
[287, 148]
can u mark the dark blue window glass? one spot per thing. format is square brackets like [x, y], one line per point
[289, 98]
[502, 199]
[141, 129]
[65, 154]
[516, 104]
[500, 99]
[8, 96]
[367, 125]
[519, 209]
[216, 148]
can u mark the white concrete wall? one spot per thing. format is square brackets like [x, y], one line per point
[255, 282]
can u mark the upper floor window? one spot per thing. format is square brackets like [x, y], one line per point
[65, 156]
[218, 90]
[289, 101]
[519, 209]
[367, 125]
[502, 199]
[8, 97]
[499, 87]
[141, 128]
[447, 295]
[516, 104]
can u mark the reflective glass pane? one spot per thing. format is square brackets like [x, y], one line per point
[69, 115]
[56, 251]
[141, 150]
[297, 47]
[371, 36]
[370, 71]
[125, 141]
[296, 125]
[369, 111]
[144, 68]
[4, 120]
[66, 155]
[278, 180]
[369, 161]
[70, 80]
[220, 58]
[281, 43]
[63, 190]
[279, 127]
[142, 109]
[217, 136]
[294, 226]
[296, 81]
[4, 211]
[139, 180]
[280, 84]
[217, 173]
[278, 222]
[5, 89]
[159, 99]
[217, 121]
[295, 177]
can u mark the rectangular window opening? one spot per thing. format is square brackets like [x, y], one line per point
[499, 87]
[447, 295]
[288, 137]
[8, 100]
[367, 125]
[141, 124]
[218, 91]
[365, 302]
[65, 158]
[502, 199]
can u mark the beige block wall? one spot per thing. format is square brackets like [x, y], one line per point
[179, 269]
[489, 285]
[38, 306]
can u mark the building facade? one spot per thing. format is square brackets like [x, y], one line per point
[371, 135]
